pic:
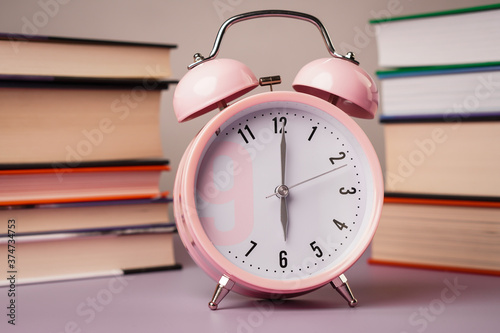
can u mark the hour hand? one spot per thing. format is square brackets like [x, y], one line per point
[284, 216]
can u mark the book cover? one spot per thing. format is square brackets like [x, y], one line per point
[78, 120]
[443, 157]
[56, 185]
[441, 91]
[58, 56]
[439, 232]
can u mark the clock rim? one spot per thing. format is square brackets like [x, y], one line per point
[200, 246]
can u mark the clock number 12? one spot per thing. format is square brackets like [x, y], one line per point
[280, 128]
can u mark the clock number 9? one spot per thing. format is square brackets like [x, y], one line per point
[215, 187]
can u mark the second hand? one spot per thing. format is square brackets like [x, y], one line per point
[309, 179]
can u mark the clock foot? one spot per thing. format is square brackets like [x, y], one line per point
[223, 288]
[340, 284]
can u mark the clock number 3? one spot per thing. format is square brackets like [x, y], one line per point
[343, 191]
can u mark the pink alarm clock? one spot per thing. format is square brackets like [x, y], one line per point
[280, 192]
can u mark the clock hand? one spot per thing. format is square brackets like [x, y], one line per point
[320, 175]
[284, 216]
[284, 189]
[283, 155]
[284, 209]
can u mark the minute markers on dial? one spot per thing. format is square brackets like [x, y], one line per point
[275, 257]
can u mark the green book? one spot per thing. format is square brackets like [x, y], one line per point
[449, 37]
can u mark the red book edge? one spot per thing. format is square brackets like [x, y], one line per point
[441, 202]
[87, 169]
[435, 267]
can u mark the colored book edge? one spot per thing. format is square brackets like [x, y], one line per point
[452, 117]
[85, 169]
[437, 13]
[67, 82]
[434, 267]
[442, 200]
[42, 38]
[162, 199]
[438, 70]
[51, 169]
[152, 269]
[65, 166]
[160, 227]
[93, 275]
[78, 199]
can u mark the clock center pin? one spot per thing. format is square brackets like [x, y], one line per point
[282, 191]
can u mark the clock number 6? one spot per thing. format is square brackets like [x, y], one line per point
[283, 259]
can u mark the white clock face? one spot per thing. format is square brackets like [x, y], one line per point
[327, 175]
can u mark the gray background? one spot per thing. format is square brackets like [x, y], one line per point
[267, 46]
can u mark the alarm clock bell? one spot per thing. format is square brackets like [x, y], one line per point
[212, 83]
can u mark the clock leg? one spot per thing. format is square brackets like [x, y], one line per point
[223, 288]
[340, 284]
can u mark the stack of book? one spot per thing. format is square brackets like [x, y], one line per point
[440, 100]
[81, 158]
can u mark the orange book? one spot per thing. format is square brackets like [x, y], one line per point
[57, 185]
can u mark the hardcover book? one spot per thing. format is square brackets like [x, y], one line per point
[457, 36]
[77, 57]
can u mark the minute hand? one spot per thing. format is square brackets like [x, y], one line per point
[312, 178]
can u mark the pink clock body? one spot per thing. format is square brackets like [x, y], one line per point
[232, 166]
